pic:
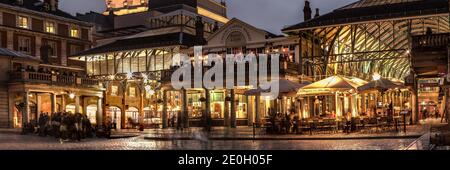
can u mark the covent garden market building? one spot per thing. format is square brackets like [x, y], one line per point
[323, 65]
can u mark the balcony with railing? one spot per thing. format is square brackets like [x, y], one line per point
[52, 79]
[429, 54]
[430, 42]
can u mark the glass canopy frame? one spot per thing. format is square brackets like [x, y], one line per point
[362, 49]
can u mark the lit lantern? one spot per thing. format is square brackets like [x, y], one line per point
[376, 76]
[71, 95]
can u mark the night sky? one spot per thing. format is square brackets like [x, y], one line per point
[271, 15]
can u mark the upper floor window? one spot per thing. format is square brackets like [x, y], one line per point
[75, 49]
[50, 27]
[114, 91]
[24, 44]
[23, 22]
[74, 32]
[132, 92]
[53, 51]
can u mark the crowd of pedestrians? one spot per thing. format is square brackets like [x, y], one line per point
[66, 127]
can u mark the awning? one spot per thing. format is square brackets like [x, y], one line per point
[380, 85]
[332, 84]
[286, 88]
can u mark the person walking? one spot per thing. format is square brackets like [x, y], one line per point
[445, 116]
[63, 128]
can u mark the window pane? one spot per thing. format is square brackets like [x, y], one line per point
[110, 64]
[126, 65]
[104, 67]
[89, 69]
[134, 64]
[142, 64]
[159, 62]
[119, 66]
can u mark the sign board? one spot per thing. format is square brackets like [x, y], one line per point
[422, 85]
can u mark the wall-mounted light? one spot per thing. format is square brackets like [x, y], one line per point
[129, 75]
[376, 76]
[71, 95]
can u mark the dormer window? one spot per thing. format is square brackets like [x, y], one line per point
[125, 3]
[23, 22]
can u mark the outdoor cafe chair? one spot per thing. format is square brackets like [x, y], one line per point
[371, 124]
[357, 123]
[317, 125]
[330, 125]
[383, 122]
[345, 125]
[305, 126]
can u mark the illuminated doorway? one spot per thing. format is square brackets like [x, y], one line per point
[92, 113]
[132, 117]
[114, 116]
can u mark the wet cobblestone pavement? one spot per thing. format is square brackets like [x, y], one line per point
[30, 142]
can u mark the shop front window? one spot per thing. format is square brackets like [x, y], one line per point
[194, 105]
[114, 91]
[217, 105]
[152, 118]
[114, 116]
[132, 117]
[71, 108]
[92, 113]
[241, 106]
[132, 92]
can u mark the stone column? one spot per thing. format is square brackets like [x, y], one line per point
[64, 52]
[233, 109]
[164, 112]
[99, 115]
[184, 109]
[53, 102]
[10, 40]
[63, 103]
[39, 105]
[207, 112]
[26, 108]
[77, 104]
[84, 105]
[257, 110]
[38, 46]
[415, 107]
[250, 115]
[226, 116]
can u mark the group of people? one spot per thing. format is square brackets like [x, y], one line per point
[65, 126]
[283, 123]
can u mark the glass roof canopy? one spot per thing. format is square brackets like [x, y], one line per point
[363, 48]
[368, 3]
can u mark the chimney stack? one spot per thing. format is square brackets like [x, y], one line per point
[19, 2]
[216, 26]
[52, 5]
[307, 12]
[317, 13]
[199, 31]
